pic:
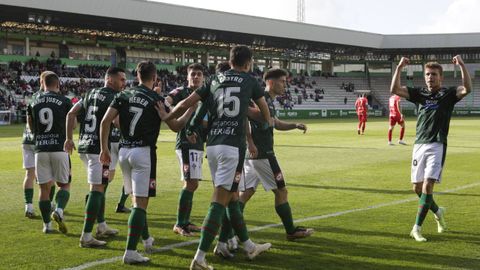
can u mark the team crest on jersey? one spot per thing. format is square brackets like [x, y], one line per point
[237, 177]
[279, 176]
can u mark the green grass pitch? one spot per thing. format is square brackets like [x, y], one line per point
[330, 171]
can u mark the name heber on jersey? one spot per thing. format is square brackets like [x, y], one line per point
[138, 100]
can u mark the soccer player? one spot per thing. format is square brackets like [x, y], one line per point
[46, 118]
[28, 151]
[396, 116]
[93, 106]
[190, 156]
[262, 165]
[361, 106]
[435, 104]
[139, 125]
[229, 94]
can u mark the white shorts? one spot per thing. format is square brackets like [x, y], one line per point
[427, 161]
[226, 166]
[266, 171]
[138, 168]
[28, 151]
[94, 169]
[52, 166]
[113, 155]
[190, 161]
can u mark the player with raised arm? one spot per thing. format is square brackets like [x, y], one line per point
[46, 117]
[435, 104]
[94, 106]
[229, 94]
[190, 156]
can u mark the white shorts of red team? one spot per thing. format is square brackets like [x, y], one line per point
[427, 161]
[258, 171]
[52, 166]
[224, 162]
[136, 165]
[28, 152]
[94, 168]
[192, 170]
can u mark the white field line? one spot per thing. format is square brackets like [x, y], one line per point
[259, 228]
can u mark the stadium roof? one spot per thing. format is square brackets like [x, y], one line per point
[131, 15]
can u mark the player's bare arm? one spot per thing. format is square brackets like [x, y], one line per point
[282, 125]
[396, 88]
[175, 124]
[69, 145]
[109, 116]
[466, 87]
[183, 106]
[252, 148]
[254, 113]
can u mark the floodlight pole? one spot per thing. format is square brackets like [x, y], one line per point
[301, 11]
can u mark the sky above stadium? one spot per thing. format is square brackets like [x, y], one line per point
[376, 16]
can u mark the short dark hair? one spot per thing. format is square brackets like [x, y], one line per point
[195, 66]
[274, 73]
[434, 65]
[146, 70]
[222, 67]
[51, 79]
[112, 71]
[240, 55]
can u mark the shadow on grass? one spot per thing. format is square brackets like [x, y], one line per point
[370, 190]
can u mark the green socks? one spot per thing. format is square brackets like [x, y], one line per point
[52, 192]
[226, 232]
[236, 219]
[91, 210]
[184, 207]
[433, 206]
[123, 197]
[136, 223]
[101, 210]
[241, 205]
[28, 192]
[285, 214]
[45, 210]
[145, 233]
[62, 198]
[423, 207]
[211, 224]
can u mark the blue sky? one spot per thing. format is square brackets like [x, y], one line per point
[377, 16]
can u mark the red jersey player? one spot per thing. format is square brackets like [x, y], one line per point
[396, 117]
[361, 106]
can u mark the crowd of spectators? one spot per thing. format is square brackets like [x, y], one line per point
[85, 78]
[34, 67]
